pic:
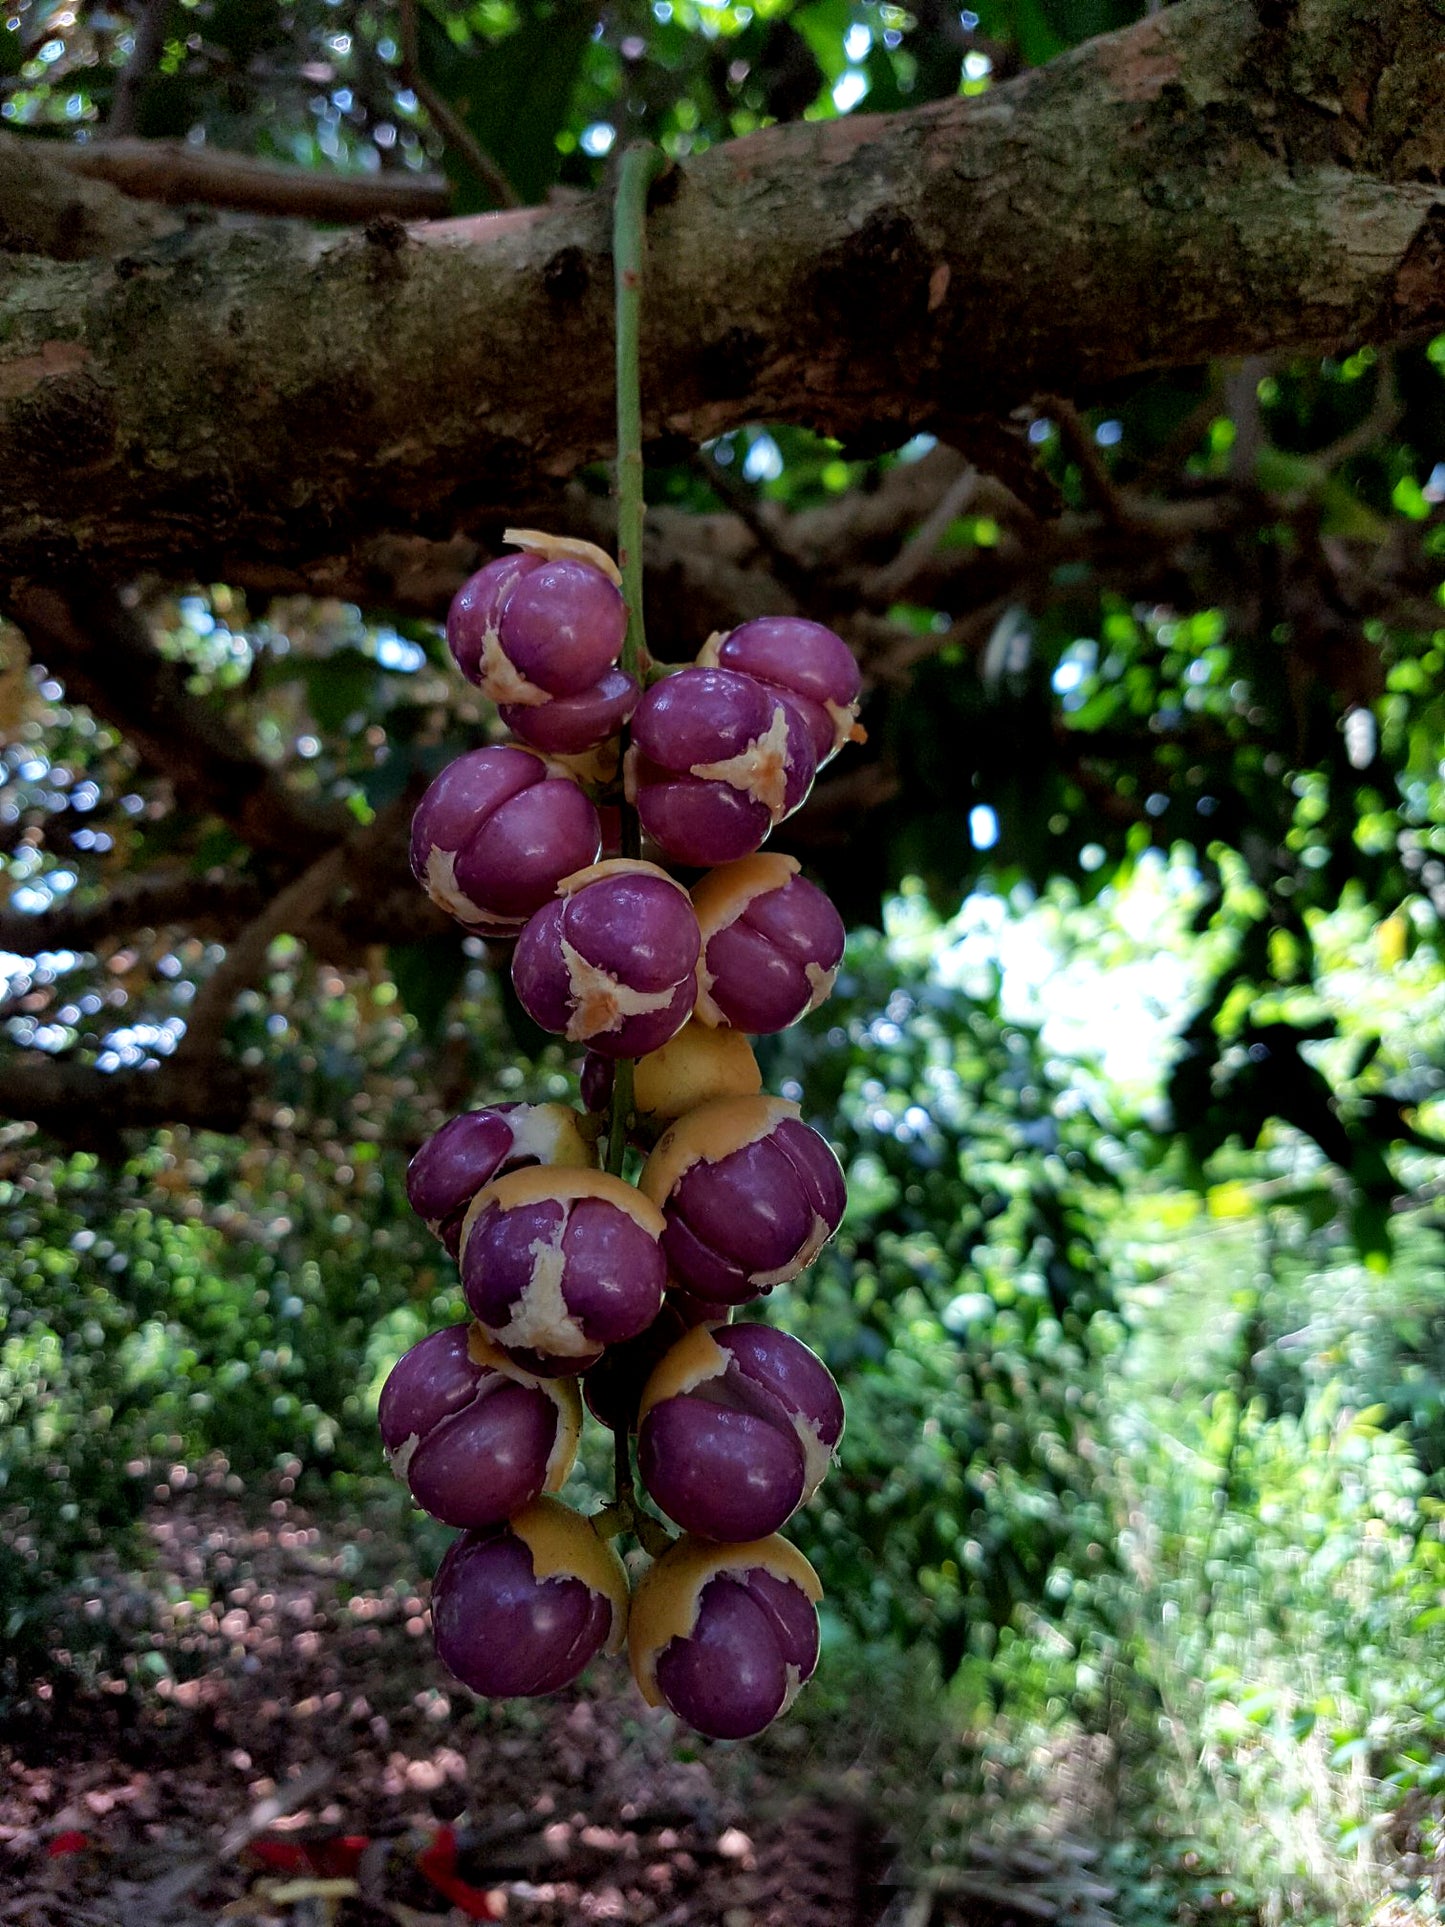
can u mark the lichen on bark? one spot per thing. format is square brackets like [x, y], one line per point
[1208, 182]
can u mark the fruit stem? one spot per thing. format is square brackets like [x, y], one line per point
[618, 1112]
[640, 165]
[625, 1496]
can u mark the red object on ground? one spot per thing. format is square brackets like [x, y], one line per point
[71, 1841]
[439, 1861]
[334, 1859]
[340, 1857]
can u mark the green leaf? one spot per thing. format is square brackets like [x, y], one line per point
[338, 687]
[167, 106]
[1077, 20]
[513, 93]
[824, 25]
[12, 47]
[427, 976]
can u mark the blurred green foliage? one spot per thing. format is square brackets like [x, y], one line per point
[960, 1307]
[1152, 1476]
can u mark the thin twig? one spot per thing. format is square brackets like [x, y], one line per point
[145, 53]
[245, 958]
[1085, 451]
[792, 575]
[444, 117]
[174, 174]
[1241, 391]
[1385, 411]
[892, 582]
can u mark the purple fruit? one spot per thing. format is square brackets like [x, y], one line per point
[560, 1264]
[716, 761]
[470, 1150]
[750, 1195]
[545, 624]
[736, 1429]
[476, 610]
[522, 1608]
[496, 833]
[567, 725]
[725, 1635]
[808, 662]
[771, 944]
[612, 960]
[473, 1436]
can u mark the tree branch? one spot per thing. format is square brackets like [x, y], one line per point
[47, 209]
[766, 529]
[443, 116]
[277, 396]
[103, 652]
[1090, 463]
[84, 1106]
[892, 582]
[175, 173]
[213, 906]
[199, 1084]
[384, 906]
[246, 957]
[145, 53]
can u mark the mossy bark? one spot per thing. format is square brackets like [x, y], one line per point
[1208, 182]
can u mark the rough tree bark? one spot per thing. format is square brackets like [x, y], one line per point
[1208, 182]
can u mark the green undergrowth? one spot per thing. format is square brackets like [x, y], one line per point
[1136, 1536]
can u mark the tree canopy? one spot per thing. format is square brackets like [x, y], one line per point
[1080, 368]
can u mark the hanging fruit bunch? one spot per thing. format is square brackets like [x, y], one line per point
[581, 1284]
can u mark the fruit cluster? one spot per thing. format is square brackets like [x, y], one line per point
[574, 1276]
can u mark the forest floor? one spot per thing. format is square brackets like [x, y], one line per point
[277, 1743]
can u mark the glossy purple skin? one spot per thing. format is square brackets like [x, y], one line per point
[596, 1081]
[433, 1381]
[476, 608]
[812, 664]
[783, 1366]
[562, 625]
[453, 1165]
[695, 719]
[613, 1274]
[639, 930]
[725, 1461]
[758, 963]
[729, 1677]
[752, 1212]
[722, 1474]
[514, 828]
[502, 1633]
[569, 724]
[482, 1441]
